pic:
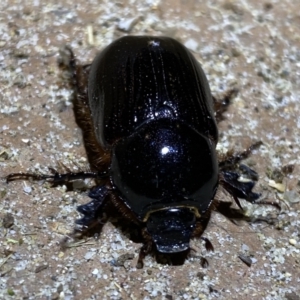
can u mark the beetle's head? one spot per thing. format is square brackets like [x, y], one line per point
[162, 166]
[171, 229]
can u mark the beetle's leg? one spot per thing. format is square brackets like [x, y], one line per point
[221, 104]
[243, 190]
[201, 225]
[93, 216]
[231, 160]
[92, 211]
[56, 178]
[77, 75]
[235, 214]
[146, 248]
[204, 262]
[208, 245]
[251, 174]
[227, 211]
[229, 178]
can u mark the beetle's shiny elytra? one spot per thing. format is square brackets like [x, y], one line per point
[136, 80]
[147, 116]
[152, 106]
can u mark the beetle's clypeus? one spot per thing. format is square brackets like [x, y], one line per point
[148, 121]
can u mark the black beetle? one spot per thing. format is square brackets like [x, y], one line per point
[149, 128]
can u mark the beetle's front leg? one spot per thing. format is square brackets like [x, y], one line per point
[242, 190]
[92, 210]
[230, 179]
[93, 216]
[98, 194]
[146, 248]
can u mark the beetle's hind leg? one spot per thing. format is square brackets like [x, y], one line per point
[77, 77]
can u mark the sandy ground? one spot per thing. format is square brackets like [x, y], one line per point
[253, 45]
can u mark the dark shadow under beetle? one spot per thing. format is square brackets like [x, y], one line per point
[149, 129]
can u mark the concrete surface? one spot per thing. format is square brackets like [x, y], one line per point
[252, 45]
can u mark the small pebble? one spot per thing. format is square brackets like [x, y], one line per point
[27, 189]
[192, 45]
[95, 272]
[127, 24]
[8, 220]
